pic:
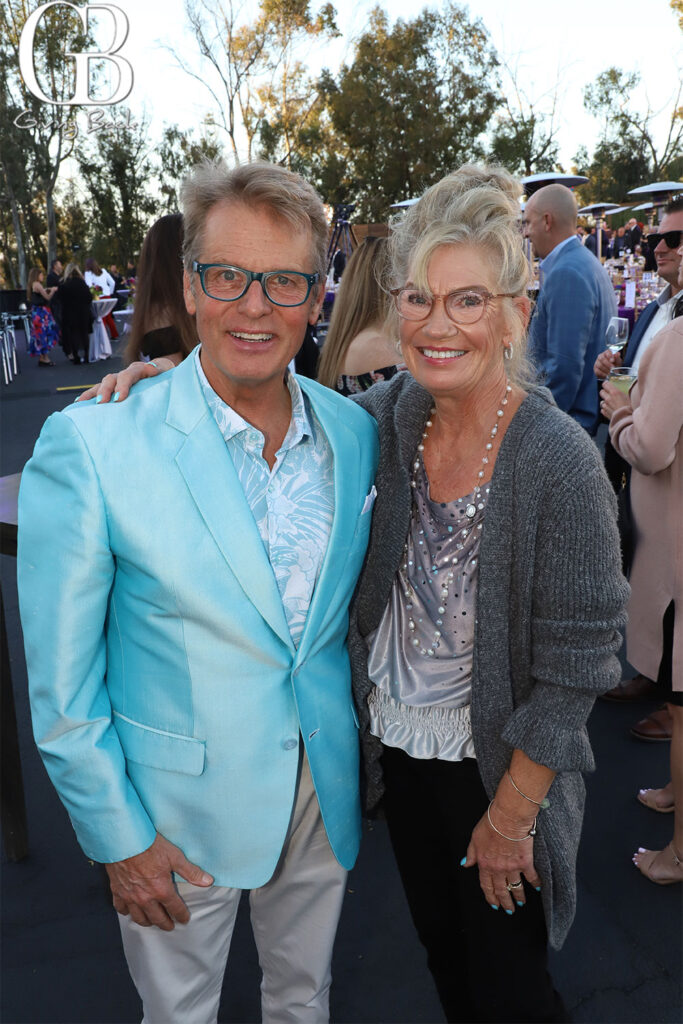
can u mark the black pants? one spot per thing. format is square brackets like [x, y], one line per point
[487, 965]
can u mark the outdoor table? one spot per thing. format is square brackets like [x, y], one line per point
[100, 346]
[13, 805]
[122, 297]
[123, 319]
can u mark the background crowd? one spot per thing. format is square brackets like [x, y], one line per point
[61, 306]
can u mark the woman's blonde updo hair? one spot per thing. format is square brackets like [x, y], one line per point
[478, 206]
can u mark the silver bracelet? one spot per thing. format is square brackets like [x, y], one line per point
[543, 804]
[530, 833]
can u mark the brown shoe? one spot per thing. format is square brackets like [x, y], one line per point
[638, 688]
[656, 727]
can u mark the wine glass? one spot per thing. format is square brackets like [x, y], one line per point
[616, 335]
[623, 378]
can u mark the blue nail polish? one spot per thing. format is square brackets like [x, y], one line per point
[508, 911]
[98, 399]
[519, 903]
[538, 888]
[463, 862]
[493, 906]
[116, 396]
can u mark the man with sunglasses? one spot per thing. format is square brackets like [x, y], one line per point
[186, 638]
[664, 243]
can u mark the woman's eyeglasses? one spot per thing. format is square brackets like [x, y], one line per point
[464, 306]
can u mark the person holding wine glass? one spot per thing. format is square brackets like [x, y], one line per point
[646, 429]
[664, 244]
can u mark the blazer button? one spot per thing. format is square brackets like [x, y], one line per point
[290, 744]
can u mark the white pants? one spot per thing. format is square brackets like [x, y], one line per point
[294, 917]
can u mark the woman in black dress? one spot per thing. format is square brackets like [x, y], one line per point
[75, 299]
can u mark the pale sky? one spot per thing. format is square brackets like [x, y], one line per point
[545, 40]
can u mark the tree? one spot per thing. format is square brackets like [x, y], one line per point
[116, 171]
[232, 55]
[412, 105]
[290, 101]
[250, 70]
[44, 133]
[178, 152]
[524, 139]
[627, 153]
[73, 223]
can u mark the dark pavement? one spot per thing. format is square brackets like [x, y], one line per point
[61, 955]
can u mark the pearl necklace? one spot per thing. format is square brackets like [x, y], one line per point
[470, 511]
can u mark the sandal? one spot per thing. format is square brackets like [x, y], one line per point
[664, 867]
[648, 797]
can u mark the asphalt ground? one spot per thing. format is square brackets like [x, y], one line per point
[61, 956]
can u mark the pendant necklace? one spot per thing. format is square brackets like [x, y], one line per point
[474, 505]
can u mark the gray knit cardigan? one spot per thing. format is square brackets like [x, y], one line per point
[550, 604]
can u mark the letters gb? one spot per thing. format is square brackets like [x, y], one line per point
[81, 95]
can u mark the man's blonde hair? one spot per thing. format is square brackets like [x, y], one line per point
[284, 194]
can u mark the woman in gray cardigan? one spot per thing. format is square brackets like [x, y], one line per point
[487, 616]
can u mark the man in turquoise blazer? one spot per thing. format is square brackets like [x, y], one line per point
[186, 646]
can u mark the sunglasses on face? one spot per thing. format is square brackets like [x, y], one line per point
[671, 239]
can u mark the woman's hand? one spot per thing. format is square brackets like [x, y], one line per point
[611, 399]
[119, 384]
[502, 862]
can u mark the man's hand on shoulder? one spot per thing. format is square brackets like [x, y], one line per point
[143, 886]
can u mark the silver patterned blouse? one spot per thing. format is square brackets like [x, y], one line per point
[420, 656]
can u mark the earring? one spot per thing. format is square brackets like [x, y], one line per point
[507, 351]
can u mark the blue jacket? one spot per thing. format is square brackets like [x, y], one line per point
[167, 694]
[567, 331]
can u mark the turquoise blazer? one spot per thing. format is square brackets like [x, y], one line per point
[167, 695]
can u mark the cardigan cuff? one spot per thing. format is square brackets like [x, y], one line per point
[562, 749]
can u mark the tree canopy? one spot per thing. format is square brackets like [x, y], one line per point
[626, 154]
[415, 98]
[413, 104]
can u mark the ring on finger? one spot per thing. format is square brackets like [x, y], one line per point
[513, 885]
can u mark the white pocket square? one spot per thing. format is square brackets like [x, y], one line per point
[369, 500]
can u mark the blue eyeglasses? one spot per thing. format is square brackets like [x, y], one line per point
[281, 287]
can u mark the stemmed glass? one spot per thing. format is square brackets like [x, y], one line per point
[616, 335]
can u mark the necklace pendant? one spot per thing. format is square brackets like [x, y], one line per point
[470, 511]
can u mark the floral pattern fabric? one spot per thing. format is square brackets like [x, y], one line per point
[44, 331]
[292, 504]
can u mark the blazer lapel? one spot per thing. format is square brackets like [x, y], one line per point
[212, 480]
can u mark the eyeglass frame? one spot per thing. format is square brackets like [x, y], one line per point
[254, 275]
[483, 292]
[660, 236]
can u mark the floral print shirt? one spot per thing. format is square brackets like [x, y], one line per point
[293, 504]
